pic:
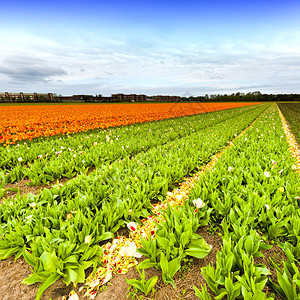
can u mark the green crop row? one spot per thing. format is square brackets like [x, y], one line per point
[66, 156]
[253, 194]
[291, 112]
[50, 229]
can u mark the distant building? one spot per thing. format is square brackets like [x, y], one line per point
[103, 99]
[38, 97]
[26, 97]
[141, 98]
[117, 97]
[128, 98]
[67, 99]
[164, 98]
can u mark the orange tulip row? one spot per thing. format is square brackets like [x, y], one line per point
[27, 122]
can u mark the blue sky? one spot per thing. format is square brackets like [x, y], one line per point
[150, 47]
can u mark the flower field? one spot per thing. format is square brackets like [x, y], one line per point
[63, 157]
[149, 190]
[28, 122]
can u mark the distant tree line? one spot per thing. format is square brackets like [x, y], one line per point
[249, 97]
[116, 98]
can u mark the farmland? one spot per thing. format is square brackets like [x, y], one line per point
[176, 185]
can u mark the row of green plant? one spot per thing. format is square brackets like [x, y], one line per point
[295, 106]
[236, 274]
[291, 112]
[174, 240]
[253, 194]
[174, 243]
[66, 156]
[50, 229]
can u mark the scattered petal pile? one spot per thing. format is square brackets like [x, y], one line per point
[119, 256]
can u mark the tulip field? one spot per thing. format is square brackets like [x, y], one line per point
[156, 189]
[28, 122]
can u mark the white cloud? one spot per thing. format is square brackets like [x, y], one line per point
[29, 69]
[105, 65]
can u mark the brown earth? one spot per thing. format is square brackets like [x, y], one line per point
[11, 288]
[23, 186]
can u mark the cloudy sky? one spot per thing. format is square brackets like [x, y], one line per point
[150, 47]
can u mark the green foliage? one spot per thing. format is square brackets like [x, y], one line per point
[143, 285]
[175, 239]
[288, 286]
[203, 294]
[291, 112]
[69, 265]
[235, 273]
